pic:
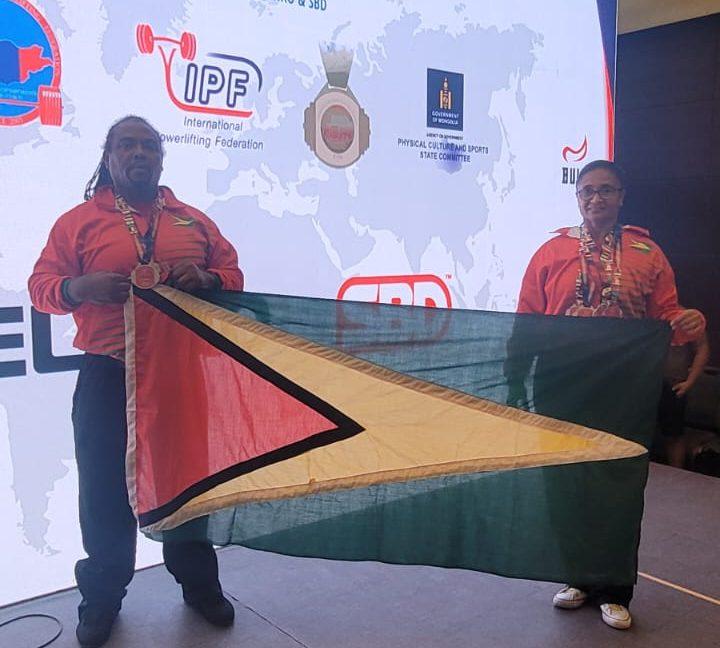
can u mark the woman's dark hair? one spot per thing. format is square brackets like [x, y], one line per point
[101, 177]
[603, 164]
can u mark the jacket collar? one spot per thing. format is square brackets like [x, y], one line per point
[105, 199]
[574, 231]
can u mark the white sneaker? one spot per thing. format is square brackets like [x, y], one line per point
[616, 616]
[569, 598]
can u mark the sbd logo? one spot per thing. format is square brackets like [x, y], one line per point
[29, 67]
[410, 290]
[216, 87]
[426, 290]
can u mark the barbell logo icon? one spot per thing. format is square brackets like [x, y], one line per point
[146, 42]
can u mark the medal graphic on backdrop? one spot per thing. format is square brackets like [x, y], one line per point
[337, 129]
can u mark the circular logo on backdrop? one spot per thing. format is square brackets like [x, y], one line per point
[29, 67]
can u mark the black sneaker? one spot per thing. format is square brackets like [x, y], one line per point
[95, 626]
[215, 609]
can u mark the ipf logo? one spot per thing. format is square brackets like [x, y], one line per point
[445, 99]
[216, 87]
[29, 67]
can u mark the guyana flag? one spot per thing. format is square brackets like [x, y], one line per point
[358, 431]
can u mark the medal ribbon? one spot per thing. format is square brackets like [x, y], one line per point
[610, 260]
[145, 243]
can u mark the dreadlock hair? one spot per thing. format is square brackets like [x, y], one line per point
[101, 177]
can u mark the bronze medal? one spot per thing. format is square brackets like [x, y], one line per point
[578, 310]
[146, 275]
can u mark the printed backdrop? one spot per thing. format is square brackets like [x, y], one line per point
[404, 152]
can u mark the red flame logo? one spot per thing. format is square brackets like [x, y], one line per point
[575, 155]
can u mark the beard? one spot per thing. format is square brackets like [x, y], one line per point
[138, 189]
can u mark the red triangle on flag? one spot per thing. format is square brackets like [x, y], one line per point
[188, 436]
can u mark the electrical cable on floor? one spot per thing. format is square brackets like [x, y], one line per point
[680, 588]
[37, 616]
[256, 613]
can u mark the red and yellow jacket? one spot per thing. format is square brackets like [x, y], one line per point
[647, 285]
[93, 237]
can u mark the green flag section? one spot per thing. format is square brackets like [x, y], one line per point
[375, 432]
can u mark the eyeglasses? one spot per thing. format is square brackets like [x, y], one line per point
[587, 193]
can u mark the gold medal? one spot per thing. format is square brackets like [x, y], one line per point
[146, 275]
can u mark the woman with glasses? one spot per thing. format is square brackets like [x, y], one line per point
[603, 269]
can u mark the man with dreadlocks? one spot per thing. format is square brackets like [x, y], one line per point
[128, 229]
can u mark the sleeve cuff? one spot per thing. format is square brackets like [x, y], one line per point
[69, 301]
[218, 281]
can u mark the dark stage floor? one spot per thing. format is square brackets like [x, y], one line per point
[284, 602]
